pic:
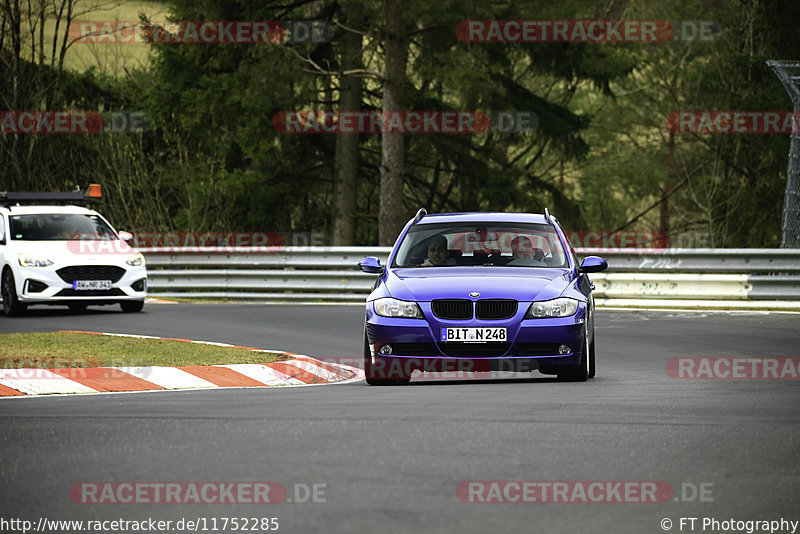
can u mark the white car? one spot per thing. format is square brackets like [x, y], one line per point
[68, 255]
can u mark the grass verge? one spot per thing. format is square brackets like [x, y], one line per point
[50, 350]
[253, 300]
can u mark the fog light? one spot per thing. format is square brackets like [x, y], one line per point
[35, 286]
[139, 285]
[385, 350]
[563, 349]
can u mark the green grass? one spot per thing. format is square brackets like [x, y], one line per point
[250, 300]
[201, 300]
[68, 349]
[112, 59]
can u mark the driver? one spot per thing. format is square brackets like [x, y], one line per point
[438, 254]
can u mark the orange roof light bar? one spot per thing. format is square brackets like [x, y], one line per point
[95, 191]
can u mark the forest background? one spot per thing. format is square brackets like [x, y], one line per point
[602, 157]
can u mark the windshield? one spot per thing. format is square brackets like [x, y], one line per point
[59, 227]
[486, 244]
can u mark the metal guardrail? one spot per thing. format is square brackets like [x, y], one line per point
[700, 274]
[329, 273]
[290, 273]
[700, 260]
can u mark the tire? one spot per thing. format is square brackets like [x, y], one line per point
[131, 306]
[12, 307]
[582, 371]
[373, 374]
[592, 367]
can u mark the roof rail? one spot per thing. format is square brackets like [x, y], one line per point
[420, 214]
[10, 198]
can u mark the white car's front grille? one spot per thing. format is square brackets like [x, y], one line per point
[91, 272]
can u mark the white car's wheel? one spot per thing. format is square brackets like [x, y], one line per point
[11, 304]
[131, 306]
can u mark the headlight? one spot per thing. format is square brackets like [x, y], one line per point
[136, 260]
[389, 307]
[26, 260]
[560, 307]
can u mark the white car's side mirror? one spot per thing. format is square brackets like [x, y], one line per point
[125, 236]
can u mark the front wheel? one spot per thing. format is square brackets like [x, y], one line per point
[131, 306]
[585, 369]
[11, 304]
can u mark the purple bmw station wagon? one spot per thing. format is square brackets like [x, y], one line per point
[480, 292]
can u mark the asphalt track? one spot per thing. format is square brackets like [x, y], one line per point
[390, 459]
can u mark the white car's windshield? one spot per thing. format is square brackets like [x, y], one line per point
[487, 244]
[59, 227]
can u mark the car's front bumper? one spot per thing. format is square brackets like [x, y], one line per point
[43, 285]
[531, 343]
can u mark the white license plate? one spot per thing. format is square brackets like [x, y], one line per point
[91, 284]
[473, 335]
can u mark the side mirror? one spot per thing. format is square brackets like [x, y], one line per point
[371, 265]
[125, 236]
[592, 264]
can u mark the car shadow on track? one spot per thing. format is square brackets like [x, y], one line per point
[500, 380]
[47, 311]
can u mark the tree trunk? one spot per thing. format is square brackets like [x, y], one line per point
[19, 178]
[669, 183]
[344, 190]
[31, 87]
[391, 214]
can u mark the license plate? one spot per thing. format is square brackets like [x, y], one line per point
[473, 335]
[91, 284]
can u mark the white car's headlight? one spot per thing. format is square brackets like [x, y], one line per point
[28, 260]
[136, 260]
[560, 307]
[389, 307]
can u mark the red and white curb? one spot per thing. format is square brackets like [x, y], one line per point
[299, 371]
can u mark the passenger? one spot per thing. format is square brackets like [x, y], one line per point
[521, 247]
[524, 253]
